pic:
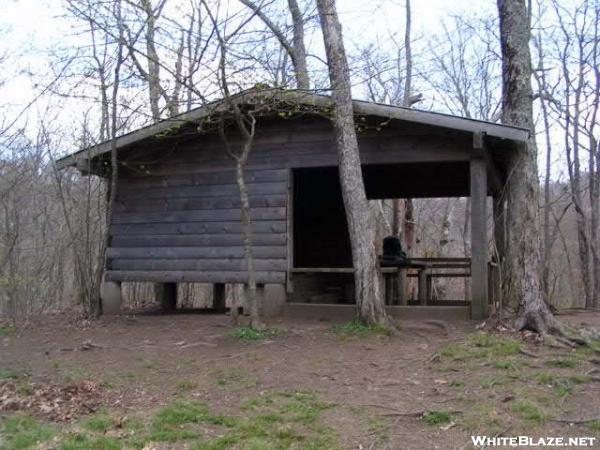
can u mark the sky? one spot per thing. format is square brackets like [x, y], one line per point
[30, 28]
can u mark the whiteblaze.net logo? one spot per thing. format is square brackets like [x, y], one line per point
[527, 441]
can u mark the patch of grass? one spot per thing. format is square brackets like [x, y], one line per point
[80, 441]
[505, 364]
[75, 374]
[562, 363]
[543, 399]
[130, 376]
[230, 375]
[563, 389]
[133, 424]
[456, 383]
[100, 422]
[594, 425]
[107, 384]
[276, 420]
[562, 386]
[171, 434]
[493, 381]
[186, 385]
[248, 334]
[437, 417]
[146, 363]
[580, 379]
[9, 374]
[528, 412]
[483, 418]
[273, 421]
[547, 378]
[491, 345]
[169, 423]
[378, 427]
[25, 389]
[7, 329]
[482, 345]
[181, 412]
[357, 327]
[298, 406]
[22, 432]
[452, 351]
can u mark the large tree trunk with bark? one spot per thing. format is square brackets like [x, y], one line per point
[522, 288]
[371, 308]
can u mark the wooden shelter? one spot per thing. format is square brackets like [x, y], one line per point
[177, 217]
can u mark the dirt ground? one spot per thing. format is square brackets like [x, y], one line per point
[428, 387]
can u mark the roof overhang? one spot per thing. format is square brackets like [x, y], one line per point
[304, 98]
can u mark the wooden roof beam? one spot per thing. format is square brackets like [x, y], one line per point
[480, 150]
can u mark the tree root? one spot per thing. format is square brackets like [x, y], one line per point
[551, 331]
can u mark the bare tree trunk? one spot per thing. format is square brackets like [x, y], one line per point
[521, 287]
[369, 300]
[594, 168]
[442, 282]
[540, 77]
[251, 298]
[397, 213]
[114, 162]
[409, 240]
[547, 245]
[406, 100]
[409, 219]
[299, 58]
[154, 88]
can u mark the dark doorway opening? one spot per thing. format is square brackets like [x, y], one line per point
[320, 230]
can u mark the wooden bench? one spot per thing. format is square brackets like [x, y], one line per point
[387, 272]
[425, 269]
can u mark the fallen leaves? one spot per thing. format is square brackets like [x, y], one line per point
[58, 403]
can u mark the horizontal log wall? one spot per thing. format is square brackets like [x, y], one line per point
[186, 227]
[177, 215]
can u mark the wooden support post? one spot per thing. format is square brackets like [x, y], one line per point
[423, 286]
[400, 280]
[479, 241]
[273, 300]
[218, 302]
[389, 288]
[110, 297]
[166, 295]
[429, 287]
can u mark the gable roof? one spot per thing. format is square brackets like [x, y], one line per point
[304, 98]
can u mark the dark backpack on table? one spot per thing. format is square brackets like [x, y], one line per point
[393, 255]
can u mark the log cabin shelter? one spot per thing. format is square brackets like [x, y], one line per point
[177, 212]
